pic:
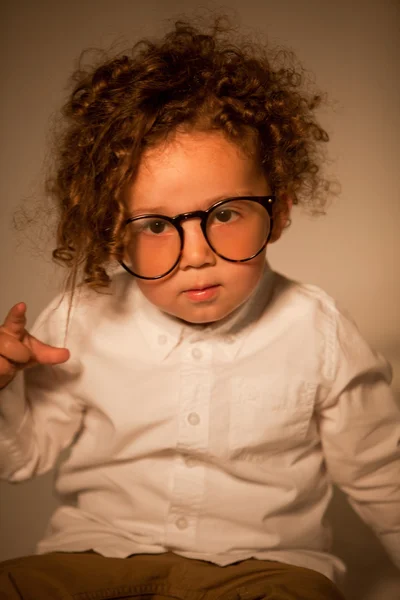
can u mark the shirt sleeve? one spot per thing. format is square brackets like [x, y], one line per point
[39, 412]
[360, 432]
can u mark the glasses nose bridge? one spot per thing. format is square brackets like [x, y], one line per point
[195, 214]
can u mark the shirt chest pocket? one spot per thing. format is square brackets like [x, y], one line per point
[267, 415]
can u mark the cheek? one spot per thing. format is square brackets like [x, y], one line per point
[157, 292]
[244, 277]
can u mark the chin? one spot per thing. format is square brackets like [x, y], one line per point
[204, 321]
[204, 317]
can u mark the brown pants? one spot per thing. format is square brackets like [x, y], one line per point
[90, 576]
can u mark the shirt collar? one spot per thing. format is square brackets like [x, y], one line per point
[161, 331]
[164, 332]
[230, 333]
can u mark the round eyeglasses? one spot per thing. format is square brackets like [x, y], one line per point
[236, 229]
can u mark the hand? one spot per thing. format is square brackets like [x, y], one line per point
[19, 349]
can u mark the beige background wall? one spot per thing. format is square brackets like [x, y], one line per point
[353, 49]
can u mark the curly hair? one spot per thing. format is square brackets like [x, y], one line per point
[189, 79]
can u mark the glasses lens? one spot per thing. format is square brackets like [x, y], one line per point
[152, 246]
[238, 229]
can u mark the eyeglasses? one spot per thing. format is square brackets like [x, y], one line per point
[236, 229]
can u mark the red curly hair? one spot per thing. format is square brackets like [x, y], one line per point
[189, 79]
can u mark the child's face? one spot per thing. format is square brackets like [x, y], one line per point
[190, 173]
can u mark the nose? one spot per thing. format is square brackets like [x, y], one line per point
[196, 252]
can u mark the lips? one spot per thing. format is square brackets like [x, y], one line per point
[202, 293]
[200, 288]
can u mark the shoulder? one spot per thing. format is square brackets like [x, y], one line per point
[297, 318]
[309, 313]
[306, 325]
[301, 300]
[76, 314]
[317, 315]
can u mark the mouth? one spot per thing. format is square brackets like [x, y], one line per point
[202, 293]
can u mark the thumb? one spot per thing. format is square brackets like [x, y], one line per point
[45, 354]
[15, 321]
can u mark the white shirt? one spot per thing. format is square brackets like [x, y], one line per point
[217, 443]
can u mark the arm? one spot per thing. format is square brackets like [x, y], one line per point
[360, 431]
[39, 413]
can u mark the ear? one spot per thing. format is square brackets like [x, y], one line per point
[281, 217]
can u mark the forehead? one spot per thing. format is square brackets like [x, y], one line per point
[192, 171]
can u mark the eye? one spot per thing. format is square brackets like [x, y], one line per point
[151, 227]
[225, 215]
[156, 227]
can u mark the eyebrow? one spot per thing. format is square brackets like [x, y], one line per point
[148, 211]
[162, 210]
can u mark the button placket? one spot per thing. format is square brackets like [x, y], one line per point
[191, 462]
[195, 394]
[186, 502]
[193, 418]
[188, 483]
[197, 353]
[182, 523]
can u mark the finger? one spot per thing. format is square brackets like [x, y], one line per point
[46, 354]
[15, 320]
[7, 368]
[12, 349]
[7, 371]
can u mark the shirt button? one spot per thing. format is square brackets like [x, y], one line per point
[162, 340]
[181, 523]
[197, 353]
[193, 418]
[229, 339]
[190, 462]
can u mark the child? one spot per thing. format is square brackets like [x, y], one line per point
[206, 401]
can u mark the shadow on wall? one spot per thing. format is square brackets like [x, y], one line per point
[370, 574]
